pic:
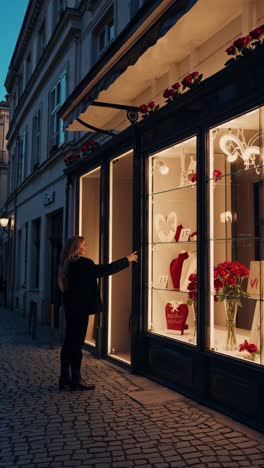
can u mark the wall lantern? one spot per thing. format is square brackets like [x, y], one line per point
[4, 222]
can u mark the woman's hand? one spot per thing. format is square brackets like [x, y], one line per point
[133, 257]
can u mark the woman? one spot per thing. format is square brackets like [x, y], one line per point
[78, 283]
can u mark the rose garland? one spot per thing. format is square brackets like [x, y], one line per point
[245, 45]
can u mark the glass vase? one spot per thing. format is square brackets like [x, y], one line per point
[231, 306]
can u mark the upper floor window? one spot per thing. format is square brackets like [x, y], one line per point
[57, 98]
[36, 135]
[104, 33]
[58, 9]
[28, 67]
[41, 38]
[135, 5]
[20, 84]
[22, 149]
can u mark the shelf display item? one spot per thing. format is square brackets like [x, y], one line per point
[189, 267]
[166, 226]
[176, 316]
[176, 268]
[178, 232]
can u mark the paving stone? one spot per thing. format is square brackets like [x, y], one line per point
[43, 428]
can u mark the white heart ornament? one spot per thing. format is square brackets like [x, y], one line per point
[166, 226]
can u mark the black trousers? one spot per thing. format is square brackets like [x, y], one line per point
[71, 351]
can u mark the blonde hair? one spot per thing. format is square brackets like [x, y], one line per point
[70, 253]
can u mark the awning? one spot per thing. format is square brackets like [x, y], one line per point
[116, 67]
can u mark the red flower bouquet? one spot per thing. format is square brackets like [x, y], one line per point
[228, 278]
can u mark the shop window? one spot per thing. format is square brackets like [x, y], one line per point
[236, 326]
[104, 33]
[36, 225]
[57, 98]
[172, 243]
[36, 138]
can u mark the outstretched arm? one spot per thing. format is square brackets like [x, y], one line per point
[114, 267]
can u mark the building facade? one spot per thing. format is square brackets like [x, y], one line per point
[4, 125]
[182, 185]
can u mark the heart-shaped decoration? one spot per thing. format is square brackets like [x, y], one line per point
[166, 226]
[176, 316]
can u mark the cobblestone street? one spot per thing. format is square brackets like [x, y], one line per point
[43, 427]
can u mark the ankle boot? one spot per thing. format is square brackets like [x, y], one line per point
[77, 385]
[65, 379]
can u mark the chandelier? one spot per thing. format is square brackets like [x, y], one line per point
[234, 145]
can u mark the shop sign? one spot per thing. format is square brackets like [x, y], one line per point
[49, 197]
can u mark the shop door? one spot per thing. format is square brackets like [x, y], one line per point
[120, 245]
[89, 227]
[56, 223]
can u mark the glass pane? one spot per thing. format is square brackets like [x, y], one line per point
[235, 322]
[120, 284]
[89, 222]
[172, 242]
[111, 31]
[101, 40]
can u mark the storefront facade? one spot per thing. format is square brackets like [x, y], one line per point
[184, 187]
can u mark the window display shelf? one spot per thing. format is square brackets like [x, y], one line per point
[174, 243]
[238, 172]
[241, 335]
[237, 239]
[250, 298]
[187, 337]
[174, 189]
[168, 290]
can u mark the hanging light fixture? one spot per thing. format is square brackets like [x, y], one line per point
[234, 145]
[4, 222]
[161, 166]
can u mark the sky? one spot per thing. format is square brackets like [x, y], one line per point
[12, 13]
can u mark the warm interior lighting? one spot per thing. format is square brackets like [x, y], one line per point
[234, 145]
[161, 166]
[4, 222]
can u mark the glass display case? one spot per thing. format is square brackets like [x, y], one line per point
[235, 325]
[172, 236]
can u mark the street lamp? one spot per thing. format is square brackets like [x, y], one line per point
[4, 222]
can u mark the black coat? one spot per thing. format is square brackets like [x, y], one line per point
[82, 293]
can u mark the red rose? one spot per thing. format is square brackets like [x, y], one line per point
[187, 80]
[194, 177]
[217, 174]
[193, 277]
[242, 42]
[143, 108]
[195, 74]
[247, 40]
[252, 348]
[176, 86]
[167, 93]
[216, 299]
[152, 105]
[256, 33]
[231, 50]
[230, 280]
[218, 283]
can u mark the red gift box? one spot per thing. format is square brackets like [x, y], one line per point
[176, 317]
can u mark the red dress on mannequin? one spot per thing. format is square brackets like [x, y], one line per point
[176, 269]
